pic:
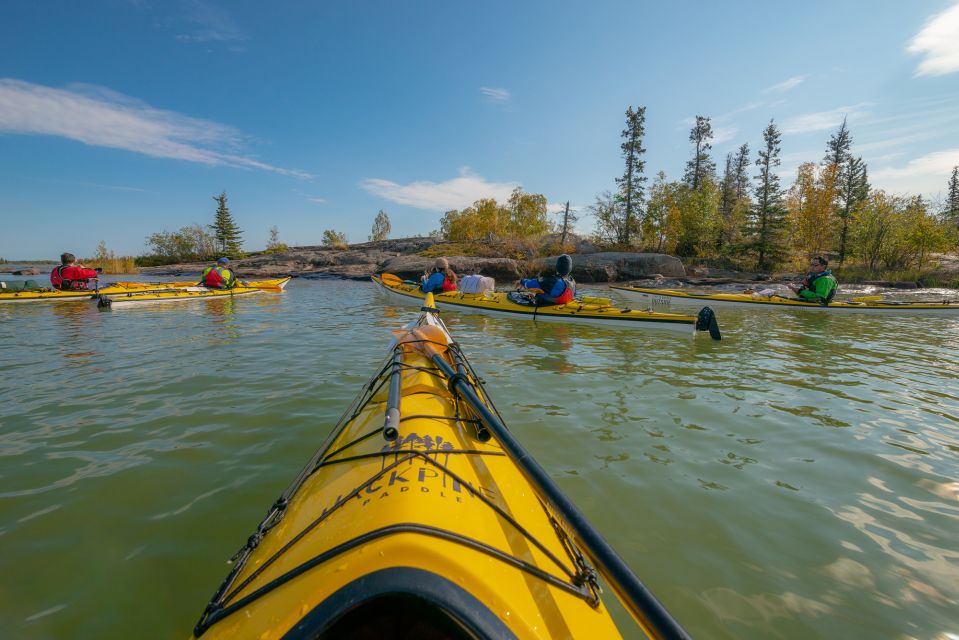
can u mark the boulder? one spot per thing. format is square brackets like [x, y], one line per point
[412, 267]
[26, 272]
[613, 266]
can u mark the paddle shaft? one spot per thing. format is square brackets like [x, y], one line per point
[648, 612]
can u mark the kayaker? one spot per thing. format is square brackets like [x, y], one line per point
[218, 276]
[558, 288]
[70, 276]
[440, 278]
[819, 285]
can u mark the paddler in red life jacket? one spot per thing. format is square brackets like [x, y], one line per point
[70, 276]
[218, 276]
[440, 279]
[558, 288]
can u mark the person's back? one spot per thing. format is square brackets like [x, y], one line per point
[441, 279]
[558, 288]
[218, 276]
[70, 276]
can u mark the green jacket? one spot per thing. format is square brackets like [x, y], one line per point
[820, 287]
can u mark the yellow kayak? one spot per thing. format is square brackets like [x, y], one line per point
[421, 516]
[113, 289]
[867, 304]
[591, 311]
[185, 294]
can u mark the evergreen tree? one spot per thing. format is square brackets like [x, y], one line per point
[851, 187]
[839, 146]
[741, 169]
[727, 199]
[701, 166]
[852, 190]
[631, 192]
[767, 220]
[952, 199]
[381, 227]
[226, 234]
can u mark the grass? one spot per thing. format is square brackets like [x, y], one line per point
[113, 264]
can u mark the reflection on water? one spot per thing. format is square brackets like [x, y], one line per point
[795, 480]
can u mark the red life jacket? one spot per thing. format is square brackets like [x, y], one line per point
[448, 285]
[566, 296]
[213, 278]
[63, 284]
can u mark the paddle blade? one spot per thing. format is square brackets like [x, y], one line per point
[430, 302]
[390, 279]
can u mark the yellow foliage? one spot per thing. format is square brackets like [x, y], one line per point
[110, 262]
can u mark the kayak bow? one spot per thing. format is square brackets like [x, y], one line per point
[422, 516]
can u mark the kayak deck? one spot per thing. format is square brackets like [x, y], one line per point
[669, 297]
[117, 289]
[576, 312]
[411, 519]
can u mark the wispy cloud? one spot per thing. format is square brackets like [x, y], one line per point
[926, 174]
[821, 120]
[213, 24]
[724, 134]
[103, 118]
[495, 94]
[938, 42]
[455, 193]
[785, 85]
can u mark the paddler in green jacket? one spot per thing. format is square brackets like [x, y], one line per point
[819, 285]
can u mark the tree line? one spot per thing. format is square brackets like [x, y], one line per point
[750, 219]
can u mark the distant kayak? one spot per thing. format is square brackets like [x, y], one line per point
[868, 304]
[589, 311]
[143, 297]
[114, 289]
[422, 516]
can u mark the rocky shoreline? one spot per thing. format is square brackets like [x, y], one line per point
[401, 257]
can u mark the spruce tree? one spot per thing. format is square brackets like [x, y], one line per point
[701, 166]
[767, 221]
[631, 192]
[952, 199]
[851, 189]
[226, 234]
[381, 227]
[741, 169]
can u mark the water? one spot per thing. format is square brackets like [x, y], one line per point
[796, 480]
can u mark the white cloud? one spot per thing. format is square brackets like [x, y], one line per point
[214, 24]
[455, 193]
[103, 118]
[939, 43]
[495, 95]
[927, 174]
[785, 85]
[821, 120]
[724, 134]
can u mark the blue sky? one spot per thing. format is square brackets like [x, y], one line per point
[119, 118]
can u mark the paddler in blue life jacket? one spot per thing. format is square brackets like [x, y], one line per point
[819, 285]
[558, 288]
[218, 276]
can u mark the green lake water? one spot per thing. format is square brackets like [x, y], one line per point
[798, 479]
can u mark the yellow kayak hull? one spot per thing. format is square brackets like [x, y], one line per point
[497, 303]
[117, 289]
[136, 298]
[437, 528]
[672, 297]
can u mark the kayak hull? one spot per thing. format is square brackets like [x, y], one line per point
[581, 314]
[118, 289]
[670, 297]
[435, 529]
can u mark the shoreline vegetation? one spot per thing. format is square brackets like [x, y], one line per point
[728, 227]
[505, 261]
